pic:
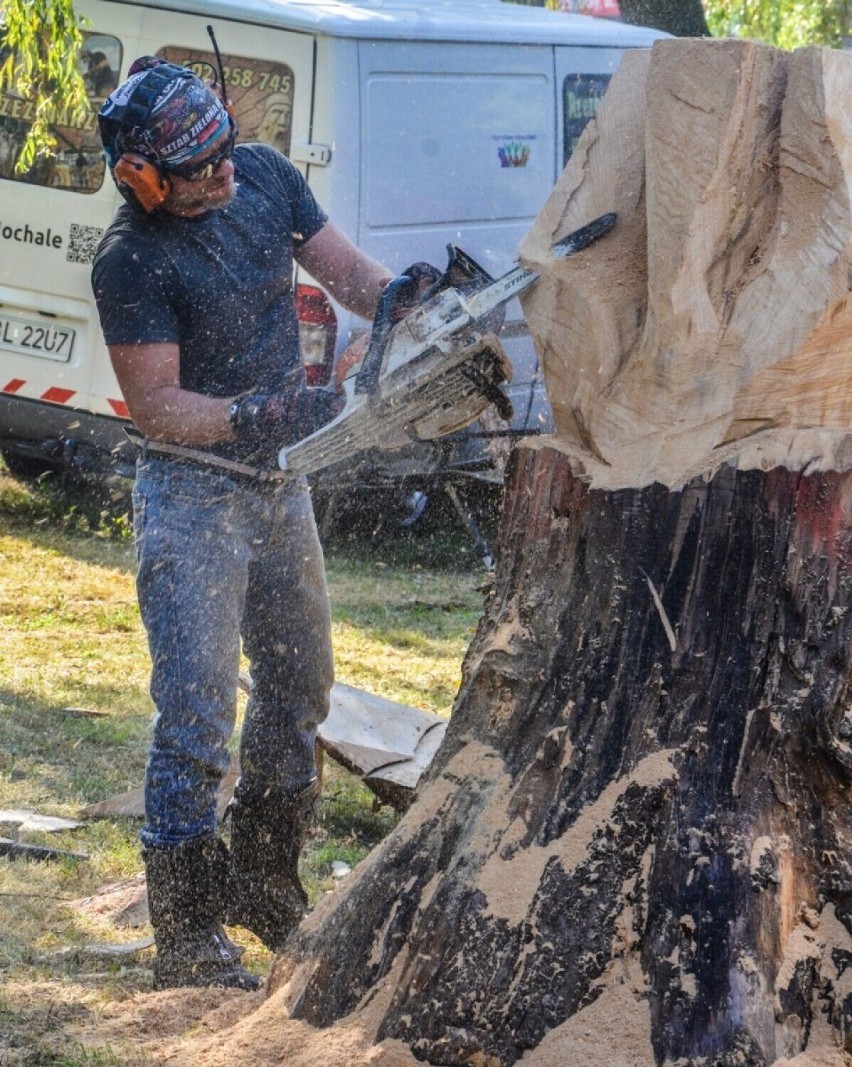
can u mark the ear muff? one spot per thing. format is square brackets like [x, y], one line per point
[141, 182]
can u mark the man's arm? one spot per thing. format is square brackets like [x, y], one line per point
[353, 279]
[149, 376]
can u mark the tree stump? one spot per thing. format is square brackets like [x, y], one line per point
[635, 844]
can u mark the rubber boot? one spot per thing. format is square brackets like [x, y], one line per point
[183, 900]
[268, 833]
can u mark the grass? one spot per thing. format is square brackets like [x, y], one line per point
[75, 716]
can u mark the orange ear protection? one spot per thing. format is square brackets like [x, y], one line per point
[140, 180]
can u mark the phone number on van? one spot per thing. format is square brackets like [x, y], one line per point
[36, 339]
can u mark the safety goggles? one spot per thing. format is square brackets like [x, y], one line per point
[199, 172]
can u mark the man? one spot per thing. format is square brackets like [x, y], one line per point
[193, 281]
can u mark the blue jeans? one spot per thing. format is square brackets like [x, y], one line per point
[222, 559]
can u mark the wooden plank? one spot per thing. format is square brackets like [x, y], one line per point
[20, 850]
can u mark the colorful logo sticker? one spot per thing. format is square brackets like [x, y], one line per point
[514, 151]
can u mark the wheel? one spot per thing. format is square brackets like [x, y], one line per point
[22, 466]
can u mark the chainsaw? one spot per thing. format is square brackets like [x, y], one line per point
[436, 369]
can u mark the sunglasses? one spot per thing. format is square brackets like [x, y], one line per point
[200, 172]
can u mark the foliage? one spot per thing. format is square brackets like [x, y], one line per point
[784, 23]
[40, 63]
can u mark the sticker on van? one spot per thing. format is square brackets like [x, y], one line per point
[78, 164]
[261, 92]
[514, 150]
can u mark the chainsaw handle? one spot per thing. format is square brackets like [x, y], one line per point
[368, 376]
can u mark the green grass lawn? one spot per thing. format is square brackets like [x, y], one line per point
[75, 715]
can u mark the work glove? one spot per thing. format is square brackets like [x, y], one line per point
[422, 280]
[269, 421]
[402, 295]
[422, 272]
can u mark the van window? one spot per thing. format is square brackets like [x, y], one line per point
[78, 164]
[261, 92]
[581, 96]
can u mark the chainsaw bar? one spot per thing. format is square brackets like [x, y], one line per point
[521, 278]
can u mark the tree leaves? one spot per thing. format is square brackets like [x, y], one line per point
[683, 18]
[784, 23]
[40, 43]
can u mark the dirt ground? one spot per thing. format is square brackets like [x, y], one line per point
[226, 1028]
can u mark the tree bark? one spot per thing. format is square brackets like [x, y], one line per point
[635, 844]
[642, 802]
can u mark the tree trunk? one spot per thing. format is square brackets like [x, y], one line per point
[635, 844]
[683, 18]
[639, 821]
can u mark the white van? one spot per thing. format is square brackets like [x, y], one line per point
[416, 122]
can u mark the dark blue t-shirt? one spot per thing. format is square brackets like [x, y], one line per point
[219, 285]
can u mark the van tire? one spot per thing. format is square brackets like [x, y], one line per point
[29, 467]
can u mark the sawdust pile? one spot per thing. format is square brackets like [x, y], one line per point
[224, 1028]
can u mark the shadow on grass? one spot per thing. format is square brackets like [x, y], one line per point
[67, 756]
[89, 520]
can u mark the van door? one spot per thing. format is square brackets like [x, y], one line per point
[458, 146]
[50, 222]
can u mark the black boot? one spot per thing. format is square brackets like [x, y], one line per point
[183, 899]
[268, 832]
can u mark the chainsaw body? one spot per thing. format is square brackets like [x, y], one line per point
[435, 370]
[429, 374]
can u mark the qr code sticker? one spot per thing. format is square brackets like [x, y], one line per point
[82, 242]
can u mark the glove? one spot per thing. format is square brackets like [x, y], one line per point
[419, 272]
[265, 420]
[423, 277]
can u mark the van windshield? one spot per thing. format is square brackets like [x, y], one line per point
[78, 164]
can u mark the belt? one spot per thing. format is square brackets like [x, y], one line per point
[206, 459]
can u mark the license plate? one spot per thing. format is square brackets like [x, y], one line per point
[34, 338]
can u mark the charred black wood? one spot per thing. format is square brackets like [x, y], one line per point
[647, 772]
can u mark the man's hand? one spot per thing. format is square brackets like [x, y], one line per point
[423, 277]
[278, 419]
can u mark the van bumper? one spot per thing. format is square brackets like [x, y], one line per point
[61, 436]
